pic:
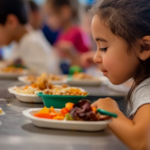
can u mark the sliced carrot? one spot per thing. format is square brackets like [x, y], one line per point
[51, 110]
[44, 115]
[59, 118]
[26, 87]
[64, 111]
[44, 110]
[33, 85]
[94, 109]
[69, 106]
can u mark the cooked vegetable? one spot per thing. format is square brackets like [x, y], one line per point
[83, 111]
[44, 115]
[69, 106]
[44, 110]
[65, 111]
[68, 117]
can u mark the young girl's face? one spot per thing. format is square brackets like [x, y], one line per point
[114, 61]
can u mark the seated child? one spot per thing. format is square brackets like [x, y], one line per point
[71, 42]
[121, 30]
[35, 15]
[30, 46]
[37, 21]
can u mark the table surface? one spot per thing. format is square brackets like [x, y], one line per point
[18, 133]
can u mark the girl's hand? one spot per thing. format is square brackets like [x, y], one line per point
[107, 104]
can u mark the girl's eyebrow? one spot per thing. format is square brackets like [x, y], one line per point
[101, 39]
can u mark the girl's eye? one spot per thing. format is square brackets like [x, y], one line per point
[103, 49]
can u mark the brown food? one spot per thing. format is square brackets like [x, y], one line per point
[43, 83]
[82, 76]
[64, 85]
[12, 70]
[54, 77]
[64, 91]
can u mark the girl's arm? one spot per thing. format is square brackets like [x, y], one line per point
[134, 133]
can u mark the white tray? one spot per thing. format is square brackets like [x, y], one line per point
[25, 81]
[66, 125]
[28, 98]
[4, 75]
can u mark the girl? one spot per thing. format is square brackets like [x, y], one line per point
[71, 42]
[121, 29]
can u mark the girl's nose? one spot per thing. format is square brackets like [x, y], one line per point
[97, 58]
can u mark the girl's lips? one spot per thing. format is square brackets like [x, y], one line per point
[105, 72]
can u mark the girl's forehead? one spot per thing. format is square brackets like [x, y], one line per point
[101, 29]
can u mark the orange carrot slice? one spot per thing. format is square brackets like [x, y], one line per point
[33, 85]
[64, 111]
[43, 115]
[26, 87]
[69, 106]
[44, 110]
[51, 110]
[59, 118]
[94, 109]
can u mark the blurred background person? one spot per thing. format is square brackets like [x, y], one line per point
[30, 46]
[72, 42]
[35, 15]
[37, 21]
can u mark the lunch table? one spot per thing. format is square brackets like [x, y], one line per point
[18, 133]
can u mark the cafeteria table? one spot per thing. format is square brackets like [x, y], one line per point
[18, 133]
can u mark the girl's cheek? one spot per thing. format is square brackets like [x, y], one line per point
[107, 62]
[110, 64]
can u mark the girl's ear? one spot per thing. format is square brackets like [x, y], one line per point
[145, 48]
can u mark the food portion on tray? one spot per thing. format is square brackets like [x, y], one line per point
[83, 76]
[31, 89]
[50, 94]
[81, 111]
[43, 84]
[83, 79]
[65, 90]
[55, 79]
[12, 70]
[51, 90]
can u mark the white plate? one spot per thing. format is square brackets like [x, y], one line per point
[94, 82]
[6, 75]
[28, 98]
[66, 125]
[24, 80]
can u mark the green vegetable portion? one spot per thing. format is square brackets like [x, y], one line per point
[68, 117]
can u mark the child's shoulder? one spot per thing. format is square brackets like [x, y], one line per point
[143, 85]
[31, 36]
[35, 41]
[34, 38]
[140, 96]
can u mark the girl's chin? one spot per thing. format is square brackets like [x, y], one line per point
[115, 81]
